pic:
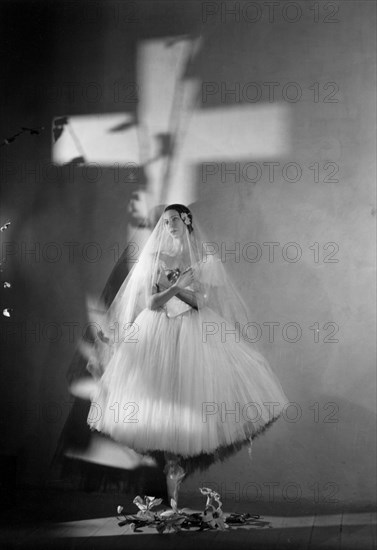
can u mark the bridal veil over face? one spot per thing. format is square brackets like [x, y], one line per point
[212, 286]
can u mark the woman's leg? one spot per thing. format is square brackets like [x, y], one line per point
[174, 475]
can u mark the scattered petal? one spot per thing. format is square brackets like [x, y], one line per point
[11, 139]
[161, 527]
[167, 513]
[155, 502]
[175, 520]
[5, 226]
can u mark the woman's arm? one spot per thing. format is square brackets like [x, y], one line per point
[158, 299]
[188, 296]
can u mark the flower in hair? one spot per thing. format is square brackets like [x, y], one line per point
[185, 218]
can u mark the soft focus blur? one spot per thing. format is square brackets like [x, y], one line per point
[262, 122]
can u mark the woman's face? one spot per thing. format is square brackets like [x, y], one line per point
[174, 224]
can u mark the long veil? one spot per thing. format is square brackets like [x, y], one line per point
[159, 260]
[226, 374]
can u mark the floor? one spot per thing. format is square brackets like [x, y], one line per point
[57, 519]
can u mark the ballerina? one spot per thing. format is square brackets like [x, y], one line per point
[181, 375]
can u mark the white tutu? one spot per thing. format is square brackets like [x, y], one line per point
[176, 389]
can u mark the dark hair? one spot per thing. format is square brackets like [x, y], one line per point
[181, 209]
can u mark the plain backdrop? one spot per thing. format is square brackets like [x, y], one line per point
[324, 446]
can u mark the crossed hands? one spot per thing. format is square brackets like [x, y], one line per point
[172, 277]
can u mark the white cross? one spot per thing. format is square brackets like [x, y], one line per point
[243, 132]
[235, 133]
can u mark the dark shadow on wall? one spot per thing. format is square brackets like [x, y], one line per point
[56, 50]
[51, 53]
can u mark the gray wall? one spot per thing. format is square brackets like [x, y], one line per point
[327, 453]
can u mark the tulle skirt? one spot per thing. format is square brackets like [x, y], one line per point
[186, 386]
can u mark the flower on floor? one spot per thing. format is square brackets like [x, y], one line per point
[175, 519]
[145, 507]
[214, 519]
[213, 514]
[172, 519]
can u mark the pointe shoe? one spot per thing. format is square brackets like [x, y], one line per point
[174, 477]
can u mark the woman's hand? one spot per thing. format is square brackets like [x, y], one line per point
[186, 278]
[163, 282]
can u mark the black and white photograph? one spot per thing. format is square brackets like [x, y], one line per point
[188, 274]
